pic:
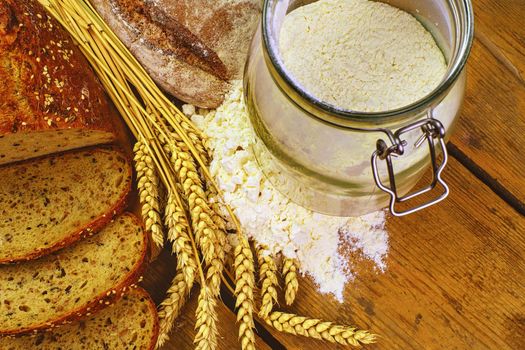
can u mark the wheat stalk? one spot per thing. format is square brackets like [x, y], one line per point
[149, 114]
[244, 285]
[290, 280]
[314, 328]
[170, 308]
[269, 282]
[206, 324]
[147, 184]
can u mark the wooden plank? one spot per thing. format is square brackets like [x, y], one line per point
[156, 281]
[500, 26]
[455, 279]
[491, 128]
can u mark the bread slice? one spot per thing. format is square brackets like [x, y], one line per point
[131, 323]
[51, 202]
[50, 98]
[77, 280]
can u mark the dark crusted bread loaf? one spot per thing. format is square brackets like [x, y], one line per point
[75, 281]
[50, 202]
[131, 323]
[50, 99]
[192, 48]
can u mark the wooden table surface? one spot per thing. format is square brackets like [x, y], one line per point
[456, 272]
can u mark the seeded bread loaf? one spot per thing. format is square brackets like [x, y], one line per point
[50, 99]
[191, 48]
[131, 323]
[53, 201]
[74, 282]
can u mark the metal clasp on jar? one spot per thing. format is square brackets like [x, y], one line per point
[432, 129]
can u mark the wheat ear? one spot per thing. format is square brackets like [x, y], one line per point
[148, 187]
[170, 308]
[244, 285]
[314, 328]
[178, 234]
[268, 280]
[290, 280]
[213, 201]
[216, 265]
[209, 237]
[206, 324]
[199, 141]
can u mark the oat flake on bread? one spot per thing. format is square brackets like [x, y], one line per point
[270, 218]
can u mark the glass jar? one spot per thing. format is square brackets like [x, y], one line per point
[346, 163]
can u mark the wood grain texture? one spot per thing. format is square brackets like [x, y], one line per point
[156, 281]
[491, 128]
[500, 26]
[456, 272]
[455, 279]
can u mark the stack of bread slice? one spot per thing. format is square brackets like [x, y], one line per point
[119, 322]
[69, 255]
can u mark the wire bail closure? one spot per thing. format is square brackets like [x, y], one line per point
[432, 129]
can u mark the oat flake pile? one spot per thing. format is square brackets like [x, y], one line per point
[270, 218]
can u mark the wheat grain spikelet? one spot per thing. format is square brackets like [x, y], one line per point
[213, 201]
[147, 185]
[206, 324]
[244, 285]
[216, 268]
[214, 272]
[268, 280]
[315, 328]
[199, 140]
[170, 308]
[290, 280]
[178, 235]
[200, 143]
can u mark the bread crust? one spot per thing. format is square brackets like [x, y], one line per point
[100, 301]
[47, 83]
[153, 309]
[192, 49]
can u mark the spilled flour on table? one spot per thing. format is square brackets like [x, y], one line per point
[273, 220]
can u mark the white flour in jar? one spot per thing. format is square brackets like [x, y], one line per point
[273, 220]
[360, 55]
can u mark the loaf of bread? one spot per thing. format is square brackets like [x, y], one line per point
[131, 323]
[51, 202]
[73, 282]
[191, 48]
[50, 99]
